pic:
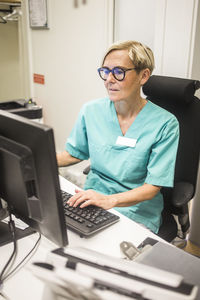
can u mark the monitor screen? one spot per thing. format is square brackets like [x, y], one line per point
[29, 181]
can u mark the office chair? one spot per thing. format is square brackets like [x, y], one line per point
[177, 96]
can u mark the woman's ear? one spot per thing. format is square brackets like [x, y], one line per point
[145, 74]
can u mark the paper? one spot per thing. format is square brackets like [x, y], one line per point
[18, 223]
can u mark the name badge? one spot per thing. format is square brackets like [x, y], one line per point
[124, 141]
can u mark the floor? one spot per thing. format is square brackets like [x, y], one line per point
[192, 249]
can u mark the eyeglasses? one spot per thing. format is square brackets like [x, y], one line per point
[117, 72]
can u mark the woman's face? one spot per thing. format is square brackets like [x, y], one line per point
[127, 89]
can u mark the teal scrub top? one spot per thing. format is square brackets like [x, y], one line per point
[118, 168]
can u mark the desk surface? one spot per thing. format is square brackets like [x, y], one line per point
[23, 285]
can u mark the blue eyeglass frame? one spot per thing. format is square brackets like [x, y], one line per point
[113, 72]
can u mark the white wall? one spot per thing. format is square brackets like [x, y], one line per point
[195, 62]
[10, 83]
[177, 47]
[135, 20]
[167, 26]
[68, 55]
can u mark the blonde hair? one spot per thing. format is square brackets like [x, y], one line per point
[141, 55]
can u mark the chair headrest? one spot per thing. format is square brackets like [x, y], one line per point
[171, 88]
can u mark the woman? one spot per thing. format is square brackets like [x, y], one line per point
[131, 142]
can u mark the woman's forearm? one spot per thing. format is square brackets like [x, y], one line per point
[137, 195]
[65, 159]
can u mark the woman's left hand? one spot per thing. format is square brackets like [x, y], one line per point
[90, 197]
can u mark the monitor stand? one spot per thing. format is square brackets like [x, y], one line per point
[5, 234]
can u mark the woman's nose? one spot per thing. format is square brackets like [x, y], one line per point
[110, 77]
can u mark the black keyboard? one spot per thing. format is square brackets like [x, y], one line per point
[88, 220]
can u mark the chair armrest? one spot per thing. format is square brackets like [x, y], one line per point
[182, 193]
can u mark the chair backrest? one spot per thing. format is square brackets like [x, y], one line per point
[177, 96]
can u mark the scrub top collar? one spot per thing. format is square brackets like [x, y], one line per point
[137, 119]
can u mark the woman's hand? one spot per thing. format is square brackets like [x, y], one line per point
[90, 197]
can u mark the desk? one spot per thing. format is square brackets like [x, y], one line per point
[23, 285]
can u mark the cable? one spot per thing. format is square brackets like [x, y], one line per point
[4, 296]
[11, 224]
[23, 260]
[12, 258]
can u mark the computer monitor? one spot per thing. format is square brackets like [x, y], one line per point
[29, 181]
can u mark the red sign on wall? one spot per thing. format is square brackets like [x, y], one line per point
[38, 78]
